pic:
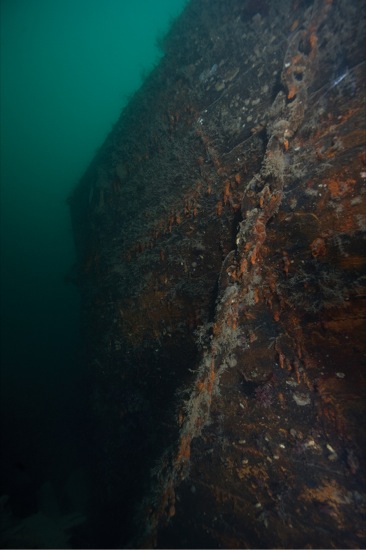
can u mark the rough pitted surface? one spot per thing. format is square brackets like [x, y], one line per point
[221, 239]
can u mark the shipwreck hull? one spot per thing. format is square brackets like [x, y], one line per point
[220, 233]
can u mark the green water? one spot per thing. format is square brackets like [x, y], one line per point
[67, 69]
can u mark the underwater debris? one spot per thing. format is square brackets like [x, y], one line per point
[223, 280]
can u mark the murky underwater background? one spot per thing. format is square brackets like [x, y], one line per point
[67, 70]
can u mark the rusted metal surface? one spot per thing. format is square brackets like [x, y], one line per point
[221, 234]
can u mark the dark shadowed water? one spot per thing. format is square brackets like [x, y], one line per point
[67, 69]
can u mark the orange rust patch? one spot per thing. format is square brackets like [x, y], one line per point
[219, 208]
[255, 472]
[243, 266]
[313, 40]
[292, 92]
[226, 191]
[184, 451]
[329, 493]
[352, 262]
[318, 247]
[340, 188]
